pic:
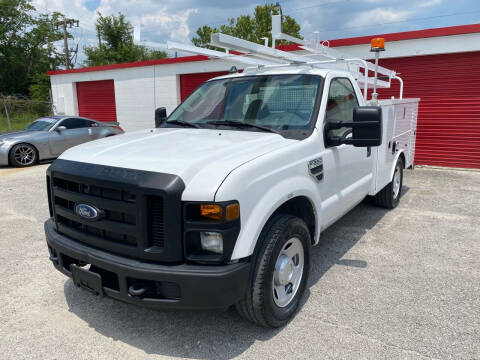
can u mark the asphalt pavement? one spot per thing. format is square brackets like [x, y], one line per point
[401, 284]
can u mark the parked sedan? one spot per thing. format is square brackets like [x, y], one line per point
[46, 138]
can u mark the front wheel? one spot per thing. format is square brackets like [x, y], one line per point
[389, 196]
[280, 272]
[23, 155]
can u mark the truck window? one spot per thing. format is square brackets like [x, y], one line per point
[340, 104]
[285, 103]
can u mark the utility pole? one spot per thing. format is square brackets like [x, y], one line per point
[64, 23]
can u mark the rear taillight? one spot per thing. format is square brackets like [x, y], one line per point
[119, 128]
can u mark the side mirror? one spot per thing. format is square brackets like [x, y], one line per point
[60, 128]
[366, 128]
[160, 116]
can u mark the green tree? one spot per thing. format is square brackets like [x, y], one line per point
[26, 49]
[115, 43]
[251, 28]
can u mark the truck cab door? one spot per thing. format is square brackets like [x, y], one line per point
[77, 132]
[352, 166]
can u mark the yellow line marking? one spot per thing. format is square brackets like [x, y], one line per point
[11, 171]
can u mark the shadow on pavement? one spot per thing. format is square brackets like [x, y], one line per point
[212, 335]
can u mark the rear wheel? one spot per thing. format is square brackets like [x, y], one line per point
[389, 196]
[23, 155]
[280, 272]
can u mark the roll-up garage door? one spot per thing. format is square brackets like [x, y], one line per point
[189, 82]
[96, 100]
[448, 130]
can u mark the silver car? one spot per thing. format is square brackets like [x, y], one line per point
[46, 138]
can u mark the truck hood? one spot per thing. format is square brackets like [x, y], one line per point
[201, 157]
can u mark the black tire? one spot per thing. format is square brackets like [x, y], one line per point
[23, 155]
[387, 197]
[258, 304]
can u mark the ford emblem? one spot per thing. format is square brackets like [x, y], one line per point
[88, 212]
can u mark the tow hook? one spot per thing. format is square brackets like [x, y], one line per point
[138, 290]
[52, 255]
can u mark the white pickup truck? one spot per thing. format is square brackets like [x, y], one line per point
[220, 204]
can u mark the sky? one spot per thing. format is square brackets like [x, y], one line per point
[177, 20]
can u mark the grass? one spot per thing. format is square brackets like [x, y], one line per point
[18, 122]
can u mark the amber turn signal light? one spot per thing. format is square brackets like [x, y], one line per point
[232, 212]
[211, 211]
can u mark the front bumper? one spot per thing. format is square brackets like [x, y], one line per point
[171, 286]
[4, 149]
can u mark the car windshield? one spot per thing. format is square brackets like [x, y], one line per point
[42, 124]
[281, 103]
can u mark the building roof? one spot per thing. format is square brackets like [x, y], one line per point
[406, 35]
[410, 35]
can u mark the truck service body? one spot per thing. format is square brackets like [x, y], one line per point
[208, 214]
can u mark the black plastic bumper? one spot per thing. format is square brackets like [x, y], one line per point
[169, 286]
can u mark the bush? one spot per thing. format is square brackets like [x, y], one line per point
[21, 112]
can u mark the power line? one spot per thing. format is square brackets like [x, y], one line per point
[315, 6]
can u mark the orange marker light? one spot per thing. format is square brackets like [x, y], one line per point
[377, 44]
[211, 211]
[232, 212]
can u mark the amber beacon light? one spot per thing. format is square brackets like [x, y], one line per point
[377, 44]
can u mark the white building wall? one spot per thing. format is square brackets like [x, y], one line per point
[417, 47]
[135, 97]
[134, 94]
[64, 95]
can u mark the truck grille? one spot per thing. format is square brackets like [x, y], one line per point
[131, 204]
[155, 220]
[118, 225]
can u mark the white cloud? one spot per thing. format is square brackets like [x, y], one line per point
[378, 16]
[307, 26]
[161, 22]
[430, 3]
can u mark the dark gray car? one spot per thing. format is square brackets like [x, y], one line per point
[46, 138]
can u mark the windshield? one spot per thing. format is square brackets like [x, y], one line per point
[42, 124]
[283, 103]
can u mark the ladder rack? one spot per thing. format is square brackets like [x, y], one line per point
[259, 58]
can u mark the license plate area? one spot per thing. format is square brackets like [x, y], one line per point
[86, 279]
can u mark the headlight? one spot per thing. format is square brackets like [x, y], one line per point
[211, 231]
[212, 241]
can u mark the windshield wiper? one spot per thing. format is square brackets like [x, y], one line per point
[239, 123]
[182, 123]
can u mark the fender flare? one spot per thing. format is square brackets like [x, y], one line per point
[401, 151]
[268, 204]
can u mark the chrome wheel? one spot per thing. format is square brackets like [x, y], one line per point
[288, 272]
[397, 181]
[24, 155]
